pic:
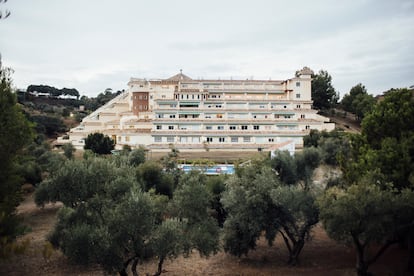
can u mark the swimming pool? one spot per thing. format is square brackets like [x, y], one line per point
[209, 170]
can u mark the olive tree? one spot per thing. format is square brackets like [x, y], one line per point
[192, 203]
[109, 219]
[365, 214]
[257, 201]
[68, 150]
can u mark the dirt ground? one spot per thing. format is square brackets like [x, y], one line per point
[347, 123]
[320, 256]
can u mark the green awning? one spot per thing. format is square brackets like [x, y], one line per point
[189, 112]
[284, 113]
[287, 124]
[186, 102]
[166, 102]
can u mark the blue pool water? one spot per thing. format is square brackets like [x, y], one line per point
[209, 170]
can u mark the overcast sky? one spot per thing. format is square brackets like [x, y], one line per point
[92, 45]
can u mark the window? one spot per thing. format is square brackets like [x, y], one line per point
[307, 127]
[232, 127]
[172, 116]
[163, 96]
[219, 116]
[256, 127]
[262, 106]
[302, 116]
[271, 139]
[209, 127]
[159, 127]
[170, 127]
[243, 127]
[126, 138]
[157, 139]
[298, 106]
[222, 139]
[209, 139]
[234, 139]
[284, 106]
[287, 116]
[297, 84]
[170, 139]
[246, 139]
[220, 127]
[297, 96]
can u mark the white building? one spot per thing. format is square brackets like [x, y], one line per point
[198, 115]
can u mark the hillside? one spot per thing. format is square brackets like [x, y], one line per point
[344, 121]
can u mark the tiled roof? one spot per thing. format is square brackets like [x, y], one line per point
[179, 77]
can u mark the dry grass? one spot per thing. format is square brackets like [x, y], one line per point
[321, 256]
[218, 157]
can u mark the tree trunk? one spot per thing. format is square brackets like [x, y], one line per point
[295, 252]
[160, 263]
[123, 272]
[410, 242]
[134, 267]
[361, 265]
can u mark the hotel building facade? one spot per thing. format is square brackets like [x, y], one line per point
[198, 115]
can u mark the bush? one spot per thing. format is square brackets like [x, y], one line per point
[99, 143]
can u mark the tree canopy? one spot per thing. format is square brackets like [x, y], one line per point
[257, 201]
[358, 101]
[15, 132]
[324, 95]
[99, 143]
[94, 103]
[386, 142]
[392, 117]
[53, 91]
[109, 219]
[365, 214]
